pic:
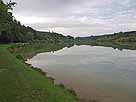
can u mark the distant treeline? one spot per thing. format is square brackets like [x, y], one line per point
[126, 37]
[121, 40]
[11, 30]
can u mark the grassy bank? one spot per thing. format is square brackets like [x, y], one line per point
[20, 83]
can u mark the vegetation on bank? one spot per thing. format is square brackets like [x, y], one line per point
[20, 83]
[121, 40]
[28, 50]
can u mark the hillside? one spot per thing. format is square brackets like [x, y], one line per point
[12, 30]
[121, 40]
[116, 37]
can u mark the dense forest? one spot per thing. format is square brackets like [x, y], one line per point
[11, 30]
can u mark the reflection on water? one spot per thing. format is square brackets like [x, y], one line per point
[93, 72]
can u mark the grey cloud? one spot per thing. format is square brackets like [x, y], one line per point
[78, 17]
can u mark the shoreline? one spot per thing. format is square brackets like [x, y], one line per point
[52, 79]
[26, 83]
[70, 90]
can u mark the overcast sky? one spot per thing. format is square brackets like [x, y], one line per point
[78, 17]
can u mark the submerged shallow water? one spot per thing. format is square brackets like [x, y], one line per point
[100, 73]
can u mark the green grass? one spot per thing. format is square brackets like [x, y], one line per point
[20, 83]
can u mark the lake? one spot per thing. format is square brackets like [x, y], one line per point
[94, 72]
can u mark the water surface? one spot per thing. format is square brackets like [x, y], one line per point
[101, 73]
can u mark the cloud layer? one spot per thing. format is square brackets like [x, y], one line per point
[78, 17]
